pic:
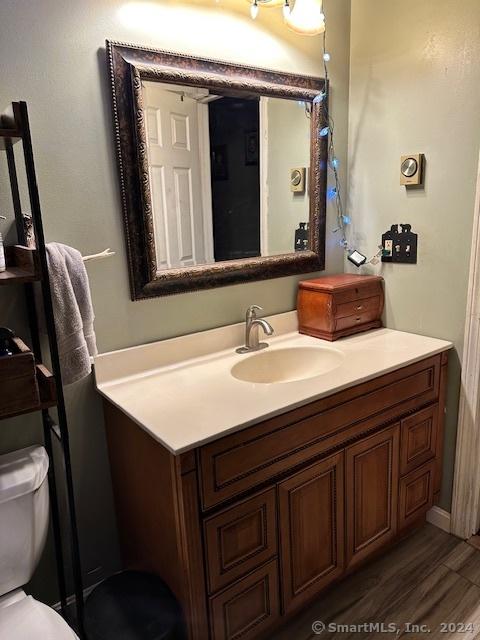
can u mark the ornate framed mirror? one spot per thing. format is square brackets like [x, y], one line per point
[222, 170]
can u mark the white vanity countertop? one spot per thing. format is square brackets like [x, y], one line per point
[182, 393]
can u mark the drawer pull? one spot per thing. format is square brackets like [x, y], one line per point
[358, 318]
[359, 308]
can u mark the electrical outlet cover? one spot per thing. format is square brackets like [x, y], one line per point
[399, 245]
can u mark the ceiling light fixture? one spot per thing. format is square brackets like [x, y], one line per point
[268, 4]
[306, 18]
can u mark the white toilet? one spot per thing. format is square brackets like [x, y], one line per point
[24, 517]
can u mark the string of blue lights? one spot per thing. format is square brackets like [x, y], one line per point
[334, 193]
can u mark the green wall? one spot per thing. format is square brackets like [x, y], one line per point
[415, 87]
[414, 81]
[53, 57]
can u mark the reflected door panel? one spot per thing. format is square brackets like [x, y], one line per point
[175, 177]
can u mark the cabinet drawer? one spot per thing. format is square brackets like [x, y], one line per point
[248, 608]
[356, 307]
[240, 539]
[233, 464]
[418, 439]
[416, 494]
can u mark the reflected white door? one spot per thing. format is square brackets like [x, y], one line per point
[175, 165]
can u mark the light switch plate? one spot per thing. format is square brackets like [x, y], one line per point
[297, 179]
[399, 244]
[411, 169]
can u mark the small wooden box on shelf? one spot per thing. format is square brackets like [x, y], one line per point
[26, 386]
[340, 305]
[18, 380]
[22, 265]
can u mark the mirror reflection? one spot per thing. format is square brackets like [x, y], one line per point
[229, 174]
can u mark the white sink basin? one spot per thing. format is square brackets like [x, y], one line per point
[287, 365]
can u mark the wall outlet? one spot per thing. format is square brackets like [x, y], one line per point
[399, 244]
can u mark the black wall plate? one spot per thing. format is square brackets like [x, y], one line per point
[399, 244]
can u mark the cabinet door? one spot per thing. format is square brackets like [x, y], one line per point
[312, 529]
[371, 493]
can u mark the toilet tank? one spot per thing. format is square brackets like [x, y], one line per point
[24, 514]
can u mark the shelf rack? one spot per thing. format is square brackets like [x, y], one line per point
[22, 265]
[27, 265]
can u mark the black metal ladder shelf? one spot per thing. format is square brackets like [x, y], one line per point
[14, 128]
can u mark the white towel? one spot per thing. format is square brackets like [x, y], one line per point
[73, 311]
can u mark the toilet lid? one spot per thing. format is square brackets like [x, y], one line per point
[27, 618]
[22, 472]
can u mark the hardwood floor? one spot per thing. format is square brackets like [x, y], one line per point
[430, 578]
[474, 541]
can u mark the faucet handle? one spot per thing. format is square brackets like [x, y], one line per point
[252, 311]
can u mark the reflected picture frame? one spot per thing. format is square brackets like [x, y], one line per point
[219, 162]
[251, 148]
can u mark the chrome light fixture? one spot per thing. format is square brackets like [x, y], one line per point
[256, 4]
[306, 17]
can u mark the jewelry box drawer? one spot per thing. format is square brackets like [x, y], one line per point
[357, 307]
[360, 292]
[341, 324]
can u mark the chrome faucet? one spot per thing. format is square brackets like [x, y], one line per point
[252, 325]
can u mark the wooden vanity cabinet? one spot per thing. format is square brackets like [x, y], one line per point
[251, 527]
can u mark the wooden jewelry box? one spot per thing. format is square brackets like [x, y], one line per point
[340, 305]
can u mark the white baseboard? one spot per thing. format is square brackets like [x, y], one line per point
[440, 518]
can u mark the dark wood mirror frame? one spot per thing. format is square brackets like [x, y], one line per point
[128, 66]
